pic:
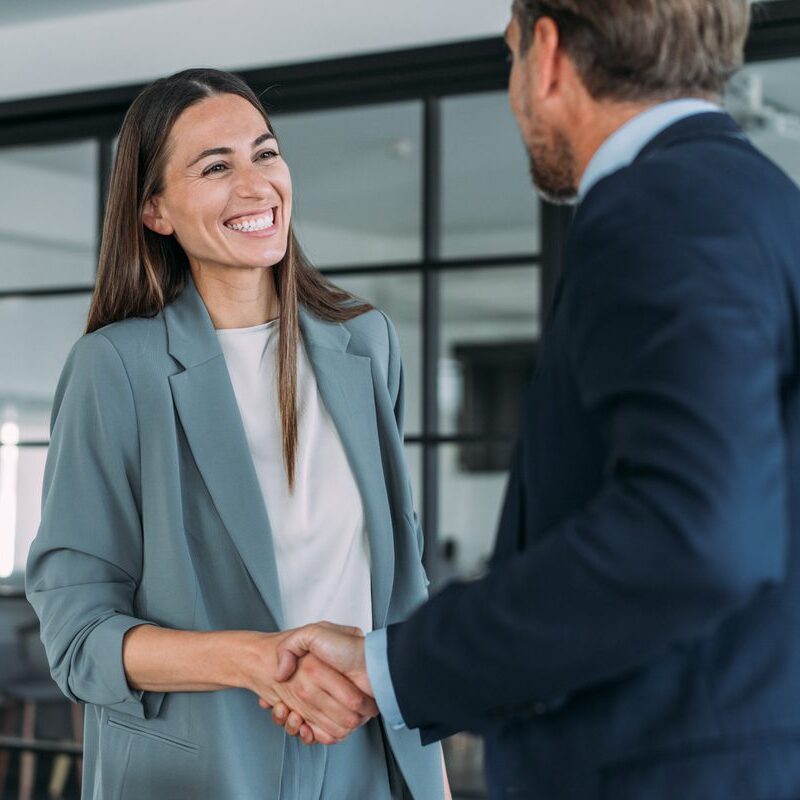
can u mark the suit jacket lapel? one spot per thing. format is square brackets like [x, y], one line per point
[346, 385]
[207, 407]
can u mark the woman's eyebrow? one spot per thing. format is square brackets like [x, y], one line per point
[213, 151]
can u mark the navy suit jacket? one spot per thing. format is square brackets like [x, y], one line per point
[638, 635]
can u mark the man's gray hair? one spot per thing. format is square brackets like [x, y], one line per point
[633, 50]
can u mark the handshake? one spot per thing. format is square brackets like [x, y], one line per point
[315, 681]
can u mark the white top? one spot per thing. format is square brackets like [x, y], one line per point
[319, 536]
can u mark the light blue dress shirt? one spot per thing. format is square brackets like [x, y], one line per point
[617, 151]
[622, 147]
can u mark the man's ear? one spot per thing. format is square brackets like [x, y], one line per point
[153, 217]
[544, 58]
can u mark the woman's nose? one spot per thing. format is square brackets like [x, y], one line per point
[252, 182]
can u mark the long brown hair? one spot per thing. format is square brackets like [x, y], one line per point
[141, 271]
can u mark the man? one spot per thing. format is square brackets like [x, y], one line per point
[637, 635]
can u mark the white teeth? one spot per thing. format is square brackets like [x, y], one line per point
[253, 224]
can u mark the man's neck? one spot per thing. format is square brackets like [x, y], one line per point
[599, 123]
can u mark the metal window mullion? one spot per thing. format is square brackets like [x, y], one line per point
[431, 228]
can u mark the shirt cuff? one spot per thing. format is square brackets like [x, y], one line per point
[376, 654]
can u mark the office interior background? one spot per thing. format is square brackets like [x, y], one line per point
[412, 190]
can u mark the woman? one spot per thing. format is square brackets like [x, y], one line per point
[226, 462]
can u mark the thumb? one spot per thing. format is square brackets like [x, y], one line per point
[290, 650]
[349, 629]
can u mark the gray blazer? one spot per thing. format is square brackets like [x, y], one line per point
[152, 512]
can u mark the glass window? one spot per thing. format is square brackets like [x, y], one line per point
[48, 215]
[398, 295]
[489, 206]
[357, 182]
[469, 508]
[21, 476]
[465, 765]
[764, 100]
[36, 335]
[490, 325]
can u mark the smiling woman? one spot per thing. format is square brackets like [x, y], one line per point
[199, 213]
[226, 462]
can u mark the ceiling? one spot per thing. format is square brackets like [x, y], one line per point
[15, 12]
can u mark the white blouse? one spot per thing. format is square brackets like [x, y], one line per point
[318, 532]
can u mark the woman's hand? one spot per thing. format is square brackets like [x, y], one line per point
[330, 705]
[290, 721]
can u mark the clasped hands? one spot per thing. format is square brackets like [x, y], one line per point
[314, 679]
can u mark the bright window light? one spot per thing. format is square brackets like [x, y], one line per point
[9, 459]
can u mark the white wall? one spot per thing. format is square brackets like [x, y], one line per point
[137, 44]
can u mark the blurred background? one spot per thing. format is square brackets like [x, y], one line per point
[411, 190]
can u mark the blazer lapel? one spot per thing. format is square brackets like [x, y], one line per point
[207, 407]
[346, 386]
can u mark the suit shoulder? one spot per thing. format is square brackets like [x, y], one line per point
[137, 337]
[370, 331]
[687, 186]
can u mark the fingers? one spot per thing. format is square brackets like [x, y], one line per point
[280, 712]
[338, 697]
[343, 691]
[291, 649]
[325, 639]
[323, 712]
[293, 723]
[333, 644]
[306, 734]
[332, 626]
[330, 704]
[287, 662]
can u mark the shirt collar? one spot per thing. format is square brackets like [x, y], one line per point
[621, 148]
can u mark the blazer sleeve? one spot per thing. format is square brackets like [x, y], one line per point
[678, 369]
[85, 563]
[396, 385]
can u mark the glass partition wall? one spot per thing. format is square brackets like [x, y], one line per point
[413, 193]
[48, 241]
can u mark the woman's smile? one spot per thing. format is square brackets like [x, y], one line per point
[256, 224]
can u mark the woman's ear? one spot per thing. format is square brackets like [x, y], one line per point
[153, 217]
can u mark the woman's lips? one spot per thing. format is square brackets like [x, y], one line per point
[263, 232]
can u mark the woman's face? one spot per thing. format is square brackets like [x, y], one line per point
[227, 193]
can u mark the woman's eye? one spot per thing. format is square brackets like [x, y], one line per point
[212, 168]
[270, 154]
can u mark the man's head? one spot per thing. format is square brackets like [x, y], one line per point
[583, 67]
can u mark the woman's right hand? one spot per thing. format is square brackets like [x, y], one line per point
[331, 705]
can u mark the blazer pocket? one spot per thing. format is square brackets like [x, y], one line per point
[156, 736]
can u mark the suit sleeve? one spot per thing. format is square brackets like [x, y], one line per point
[85, 563]
[678, 370]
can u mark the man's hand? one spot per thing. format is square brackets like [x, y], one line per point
[342, 648]
[330, 705]
[326, 715]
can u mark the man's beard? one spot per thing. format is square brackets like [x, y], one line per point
[552, 165]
